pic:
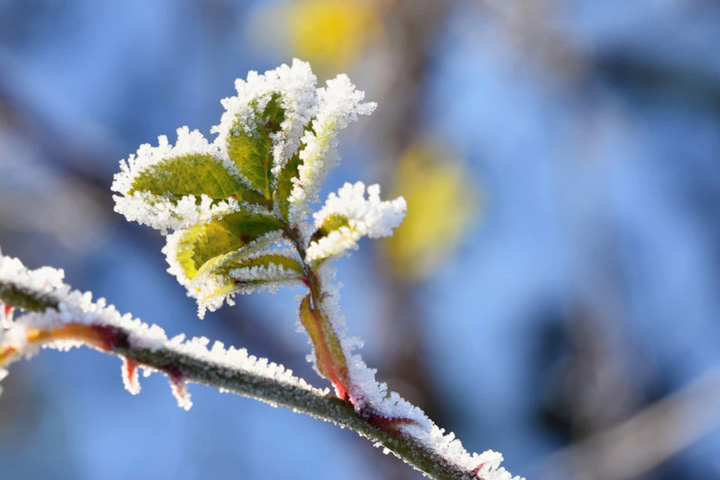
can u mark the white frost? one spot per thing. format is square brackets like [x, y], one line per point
[313, 119]
[366, 216]
[162, 214]
[44, 280]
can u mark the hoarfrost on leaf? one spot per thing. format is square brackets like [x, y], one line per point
[348, 216]
[172, 187]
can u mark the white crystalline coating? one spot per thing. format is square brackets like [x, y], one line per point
[172, 241]
[489, 462]
[188, 142]
[78, 308]
[265, 273]
[366, 216]
[338, 104]
[327, 110]
[298, 98]
[171, 251]
[44, 280]
[371, 216]
[158, 212]
[313, 119]
[164, 215]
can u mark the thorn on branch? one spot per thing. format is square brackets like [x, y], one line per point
[178, 385]
[130, 375]
[6, 311]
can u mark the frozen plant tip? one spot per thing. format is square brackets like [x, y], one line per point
[237, 206]
[235, 213]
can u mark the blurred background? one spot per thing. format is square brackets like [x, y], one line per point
[554, 293]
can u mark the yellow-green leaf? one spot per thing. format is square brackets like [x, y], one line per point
[214, 240]
[252, 153]
[292, 270]
[192, 174]
[331, 223]
[267, 261]
[285, 185]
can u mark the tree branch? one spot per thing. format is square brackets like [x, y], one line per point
[184, 367]
[308, 401]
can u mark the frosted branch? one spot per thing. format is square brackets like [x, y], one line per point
[54, 316]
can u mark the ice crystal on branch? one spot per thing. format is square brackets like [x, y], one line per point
[52, 315]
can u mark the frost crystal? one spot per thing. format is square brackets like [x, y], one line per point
[44, 280]
[130, 377]
[366, 216]
[208, 289]
[153, 185]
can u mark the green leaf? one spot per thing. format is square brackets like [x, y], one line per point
[213, 241]
[252, 153]
[285, 185]
[231, 285]
[193, 174]
[332, 222]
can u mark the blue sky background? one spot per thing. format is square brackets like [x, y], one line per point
[587, 288]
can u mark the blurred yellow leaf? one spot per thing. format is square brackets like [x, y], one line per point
[331, 33]
[441, 202]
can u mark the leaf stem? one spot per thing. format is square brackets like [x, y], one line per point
[329, 355]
